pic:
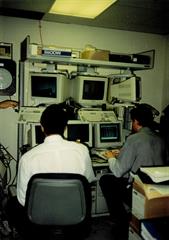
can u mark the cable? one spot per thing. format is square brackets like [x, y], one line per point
[6, 158]
[40, 33]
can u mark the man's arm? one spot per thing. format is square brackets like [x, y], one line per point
[121, 163]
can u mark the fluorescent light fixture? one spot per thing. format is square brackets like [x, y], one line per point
[80, 8]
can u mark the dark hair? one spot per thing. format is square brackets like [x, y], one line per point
[54, 119]
[143, 115]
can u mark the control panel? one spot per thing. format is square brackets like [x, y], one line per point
[97, 116]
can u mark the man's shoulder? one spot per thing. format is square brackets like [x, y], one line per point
[133, 136]
[78, 145]
[145, 134]
[32, 151]
[134, 139]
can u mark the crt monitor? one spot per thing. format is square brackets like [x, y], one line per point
[127, 90]
[35, 134]
[46, 88]
[77, 130]
[107, 134]
[90, 90]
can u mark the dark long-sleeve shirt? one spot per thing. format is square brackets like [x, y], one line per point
[144, 148]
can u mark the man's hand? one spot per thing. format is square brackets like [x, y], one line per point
[112, 153]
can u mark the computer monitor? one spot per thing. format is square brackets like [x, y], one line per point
[46, 88]
[127, 90]
[90, 90]
[35, 135]
[107, 134]
[77, 130]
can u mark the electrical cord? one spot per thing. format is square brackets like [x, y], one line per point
[6, 158]
[40, 33]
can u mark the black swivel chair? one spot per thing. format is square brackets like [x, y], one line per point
[59, 200]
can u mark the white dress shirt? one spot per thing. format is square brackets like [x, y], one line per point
[55, 155]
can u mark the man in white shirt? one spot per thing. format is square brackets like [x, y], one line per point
[55, 154]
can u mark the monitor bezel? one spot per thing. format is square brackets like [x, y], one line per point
[97, 136]
[61, 89]
[32, 134]
[89, 143]
[128, 90]
[78, 90]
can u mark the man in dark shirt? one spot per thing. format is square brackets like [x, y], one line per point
[143, 148]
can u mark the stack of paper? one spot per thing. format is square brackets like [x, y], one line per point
[157, 174]
[152, 190]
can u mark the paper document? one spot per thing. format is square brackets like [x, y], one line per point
[157, 174]
[152, 190]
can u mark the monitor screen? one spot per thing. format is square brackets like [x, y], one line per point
[79, 131]
[39, 135]
[93, 90]
[35, 134]
[107, 134]
[90, 90]
[44, 86]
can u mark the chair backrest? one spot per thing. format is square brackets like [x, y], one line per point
[58, 199]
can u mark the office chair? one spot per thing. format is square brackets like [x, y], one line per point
[59, 200]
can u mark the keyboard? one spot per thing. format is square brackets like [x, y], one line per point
[97, 116]
[99, 162]
[30, 114]
[99, 153]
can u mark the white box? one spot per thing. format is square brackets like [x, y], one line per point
[144, 207]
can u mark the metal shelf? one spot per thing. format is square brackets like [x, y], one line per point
[133, 66]
[88, 62]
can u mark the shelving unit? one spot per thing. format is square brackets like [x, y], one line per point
[25, 55]
[88, 62]
[27, 60]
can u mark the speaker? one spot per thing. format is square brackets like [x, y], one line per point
[7, 77]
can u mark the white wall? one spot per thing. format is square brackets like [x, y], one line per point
[166, 78]
[14, 30]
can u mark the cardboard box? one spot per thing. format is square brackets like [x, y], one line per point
[147, 202]
[6, 50]
[96, 54]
